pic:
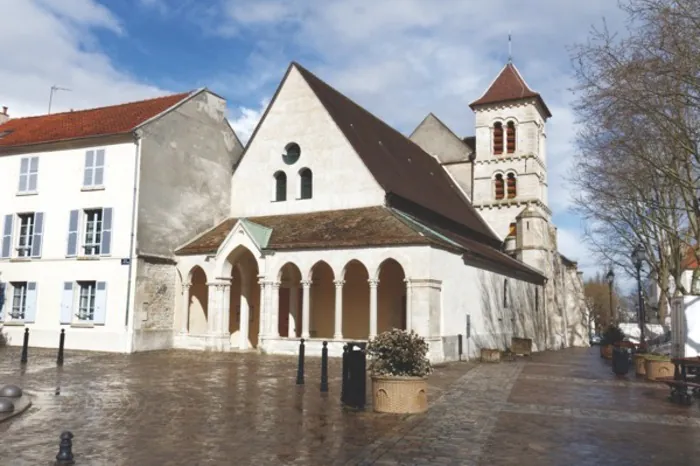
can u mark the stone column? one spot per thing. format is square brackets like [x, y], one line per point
[262, 332]
[338, 320]
[409, 304]
[305, 309]
[373, 283]
[274, 310]
[224, 290]
[244, 314]
[185, 325]
[293, 310]
[212, 308]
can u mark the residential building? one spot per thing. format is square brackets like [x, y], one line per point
[92, 205]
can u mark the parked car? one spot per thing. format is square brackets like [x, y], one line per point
[595, 339]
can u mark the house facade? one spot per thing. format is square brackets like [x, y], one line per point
[340, 228]
[91, 210]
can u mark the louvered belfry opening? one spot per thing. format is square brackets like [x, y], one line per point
[510, 136]
[499, 186]
[498, 138]
[511, 186]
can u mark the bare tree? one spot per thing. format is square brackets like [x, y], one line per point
[638, 166]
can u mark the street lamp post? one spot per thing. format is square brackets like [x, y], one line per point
[610, 277]
[638, 258]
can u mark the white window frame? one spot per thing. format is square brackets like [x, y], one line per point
[26, 237]
[28, 176]
[86, 312]
[95, 227]
[12, 312]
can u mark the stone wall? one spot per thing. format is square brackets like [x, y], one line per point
[157, 292]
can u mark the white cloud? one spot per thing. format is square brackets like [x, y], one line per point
[244, 122]
[53, 43]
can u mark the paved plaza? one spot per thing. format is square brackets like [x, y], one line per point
[195, 408]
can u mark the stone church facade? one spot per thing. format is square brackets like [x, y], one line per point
[341, 228]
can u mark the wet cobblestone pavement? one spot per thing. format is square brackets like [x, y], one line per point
[193, 408]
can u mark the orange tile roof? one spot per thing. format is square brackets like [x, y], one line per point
[509, 85]
[103, 121]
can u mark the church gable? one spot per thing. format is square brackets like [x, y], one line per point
[435, 138]
[299, 161]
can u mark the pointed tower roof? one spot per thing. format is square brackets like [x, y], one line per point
[509, 85]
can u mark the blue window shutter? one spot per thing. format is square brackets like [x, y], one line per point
[38, 234]
[98, 179]
[30, 311]
[7, 236]
[89, 168]
[3, 299]
[73, 234]
[23, 174]
[101, 303]
[106, 246]
[33, 173]
[67, 303]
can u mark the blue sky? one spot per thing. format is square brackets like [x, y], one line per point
[399, 58]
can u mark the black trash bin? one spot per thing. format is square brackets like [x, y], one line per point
[620, 360]
[354, 386]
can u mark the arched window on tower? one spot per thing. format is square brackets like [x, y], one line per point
[280, 186]
[498, 138]
[510, 137]
[512, 189]
[306, 183]
[498, 184]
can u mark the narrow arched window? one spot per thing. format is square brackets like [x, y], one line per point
[510, 137]
[307, 183]
[498, 138]
[498, 183]
[512, 190]
[280, 186]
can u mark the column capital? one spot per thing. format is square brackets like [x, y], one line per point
[339, 283]
[373, 282]
[408, 281]
[275, 284]
[306, 283]
[186, 286]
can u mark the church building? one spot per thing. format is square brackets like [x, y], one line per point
[341, 228]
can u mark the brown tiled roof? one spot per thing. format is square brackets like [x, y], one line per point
[399, 165]
[103, 121]
[361, 227]
[509, 85]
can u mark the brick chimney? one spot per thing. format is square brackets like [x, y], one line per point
[4, 116]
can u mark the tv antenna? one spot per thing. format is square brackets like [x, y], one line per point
[55, 88]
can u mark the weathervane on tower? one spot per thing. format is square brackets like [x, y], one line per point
[510, 48]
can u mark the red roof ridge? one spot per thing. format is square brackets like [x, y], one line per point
[509, 85]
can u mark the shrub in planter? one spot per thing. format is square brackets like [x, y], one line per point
[490, 355]
[658, 365]
[613, 334]
[639, 363]
[399, 368]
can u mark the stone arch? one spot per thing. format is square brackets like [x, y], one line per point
[322, 300]
[233, 249]
[355, 300]
[244, 298]
[198, 301]
[391, 296]
[290, 300]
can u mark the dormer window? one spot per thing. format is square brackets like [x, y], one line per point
[510, 137]
[498, 138]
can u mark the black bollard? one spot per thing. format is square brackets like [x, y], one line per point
[25, 345]
[61, 342]
[65, 449]
[300, 367]
[324, 368]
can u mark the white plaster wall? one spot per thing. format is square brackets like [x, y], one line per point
[340, 179]
[685, 326]
[58, 192]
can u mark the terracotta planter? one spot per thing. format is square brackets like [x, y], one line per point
[606, 351]
[490, 355]
[655, 369]
[403, 395]
[521, 346]
[639, 364]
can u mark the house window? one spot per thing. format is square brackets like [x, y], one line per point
[511, 186]
[28, 174]
[498, 138]
[306, 183]
[26, 235]
[510, 137]
[498, 184]
[86, 301]
[19, 301]
[93, 232]
[93, 176]
[280, 186]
